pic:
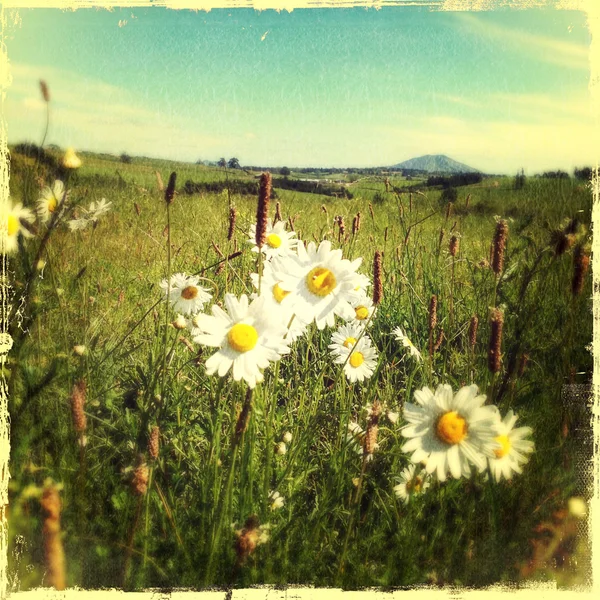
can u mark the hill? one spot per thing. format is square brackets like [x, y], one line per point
[435, 163]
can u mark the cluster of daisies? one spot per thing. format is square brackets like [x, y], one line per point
[18, 221]
[299, 285]
[456, 434]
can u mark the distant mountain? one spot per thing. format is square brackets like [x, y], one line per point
[435, 163]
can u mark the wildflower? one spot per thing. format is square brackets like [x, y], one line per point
[77, 224]
[287, 437]
[77, 403]
[454, 245]
[280, 448]
[321, 280]
[14, 221]
[513, 450]
[278, 241]
[494, 349]
[185, 294]
[276, 500]
[139, 482]
[249, 537]
[359, 360]
[98, 209]
[51, 200]
[405, 341]
[247, 337]
[71, 160]
[363, 309]
[450, 432]
[262, 210]
[499, 246]
[393, 417]
[411, 483]
[79, 349]
[345, 337]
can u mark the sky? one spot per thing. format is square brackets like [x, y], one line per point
[499, 90]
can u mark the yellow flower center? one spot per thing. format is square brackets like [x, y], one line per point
[504, 446]
[242, 337]
[362, 312]
[189, 293]
[451, 428]
[52, 204]
[350, 341]
[273, 240]
[321, 281]
[13, 225]
[278, 293]
[416, 485]
[356, 359]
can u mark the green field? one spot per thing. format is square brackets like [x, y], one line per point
[341, 523]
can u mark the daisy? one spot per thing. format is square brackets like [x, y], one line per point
[276, 500]
[361, 283]
[247, 337]
[98, 209]
[403, 339]
[513, 450]
[360, 359]
[363, 309]
[184, 293]
[450, 432]
[279, 241]
[51, 200]
[321, 282]
[345, 337]
[12, 222]
[78, 224]
[411, 483]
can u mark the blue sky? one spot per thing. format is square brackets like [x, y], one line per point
[498, 90]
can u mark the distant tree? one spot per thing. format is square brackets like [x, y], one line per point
[520, 180]
[449, 195]
[125, 158]
[585, 173]
[222, 163]
[285, 172]
[234, 163]
[555, 174]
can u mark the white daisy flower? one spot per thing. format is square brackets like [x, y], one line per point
[278, 302]
[361, 283]
[276, 500]
[280, 448]
[411, 483]
[361, 362]
[51, 200]
[78, 224]
[12, 218]
[184, 293]
[449, 433]
[98, 209]
[279, 242]
[247, 337]
[345, 337]
[513, 450]
[321, 282]
[403, 339]
[287, 437]
[363, 309]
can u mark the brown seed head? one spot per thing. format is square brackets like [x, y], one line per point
[53, 548]
[370, 439]
[154, 442]
[371, 211]
[473, 325]
[356, 224]
[438, 342]
[139, 483]
[524, 360]
[442, 234]
[262, 210]
[232, 220]
[377, 279]
[454, 245]
[44, 90]
[170, 191]
[432, 312]
[499, 246]
[278, 216]
[78, 395]
[581, 264]
[495, 347]
[323, 208]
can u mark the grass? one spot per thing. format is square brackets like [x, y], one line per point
[99, 288]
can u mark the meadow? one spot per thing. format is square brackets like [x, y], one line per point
[133, 467]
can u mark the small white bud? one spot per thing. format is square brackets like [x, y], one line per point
[287, 437]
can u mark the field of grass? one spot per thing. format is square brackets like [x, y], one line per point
[94, 312]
